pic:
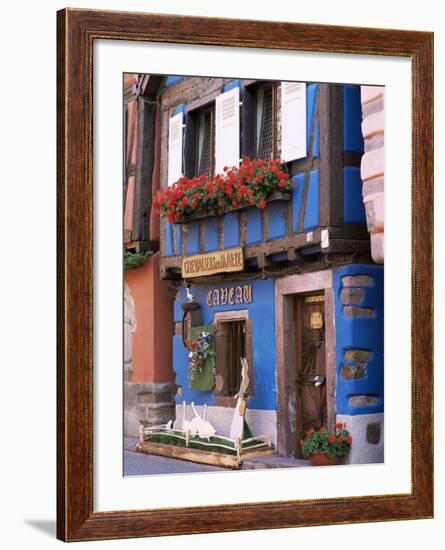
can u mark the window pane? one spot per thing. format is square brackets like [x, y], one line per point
[265, 115]
[205, 144]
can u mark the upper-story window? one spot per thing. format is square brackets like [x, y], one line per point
[205, 142]
[259, 121]
[264, 122]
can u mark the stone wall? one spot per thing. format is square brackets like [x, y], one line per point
[373, 165]
[149, 403]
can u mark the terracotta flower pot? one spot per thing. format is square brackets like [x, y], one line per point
[323, 460]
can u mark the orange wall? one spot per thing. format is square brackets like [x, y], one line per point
[152, 340]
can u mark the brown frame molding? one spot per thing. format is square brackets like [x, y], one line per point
[77, 30]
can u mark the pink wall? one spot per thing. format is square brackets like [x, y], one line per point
[152, 353]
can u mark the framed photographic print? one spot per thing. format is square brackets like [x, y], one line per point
[244, 275]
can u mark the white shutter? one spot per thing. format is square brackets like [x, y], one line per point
[227, 134]
[293, 121]
[175, 148]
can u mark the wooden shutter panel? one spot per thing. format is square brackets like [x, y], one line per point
[249, 355]
[221, 343]
[293, 121]
[227, 137]
[175, 148]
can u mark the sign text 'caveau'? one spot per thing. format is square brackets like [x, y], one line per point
[229, 296]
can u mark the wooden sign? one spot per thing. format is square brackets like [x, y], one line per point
[221, 261]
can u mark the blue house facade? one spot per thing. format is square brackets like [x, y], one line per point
[291, 286]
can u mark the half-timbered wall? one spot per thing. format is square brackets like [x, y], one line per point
[326, 209]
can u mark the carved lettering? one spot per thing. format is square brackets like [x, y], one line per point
[239, 294]
[231, 296]
[224, 293]
[247, 294]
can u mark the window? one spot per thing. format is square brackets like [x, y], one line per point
[205, 146]
[264, 127]
[233, 341]
[259, 121]
[199, 146]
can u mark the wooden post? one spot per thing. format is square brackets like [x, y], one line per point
[330, 108]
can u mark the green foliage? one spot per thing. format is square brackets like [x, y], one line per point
[132, 260]
[323, 442]
[194, 443]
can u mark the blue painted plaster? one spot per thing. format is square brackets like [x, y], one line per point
[297, 194]
[352, 119]
[312, 213]
[254, 225]
[231, 230]
[172, 80]
[277, 220]
[193, 238]
[262, 314]
[211, 235]
[354, 209]
[180, 108]
[178, 240]
[311, 95]
[169, 239]
[360, 333]
[233, 84]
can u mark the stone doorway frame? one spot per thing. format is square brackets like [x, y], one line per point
[286, 289]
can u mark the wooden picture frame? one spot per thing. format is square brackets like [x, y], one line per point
[77, 31]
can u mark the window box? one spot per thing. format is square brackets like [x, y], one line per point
[277, 196]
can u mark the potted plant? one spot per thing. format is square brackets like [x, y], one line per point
[324, 448]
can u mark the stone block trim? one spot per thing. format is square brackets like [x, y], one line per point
[371, 93]
[357, 280]
[374, 186]
[363, 400]
[374, 142]
[352, 296]
[358, 355]
[378, 247]
[353, 372]
[373, 164]
[358, 312]
[373, 124]
[355, 365]
[373, 433]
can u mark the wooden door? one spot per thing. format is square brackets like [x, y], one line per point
[311, 364]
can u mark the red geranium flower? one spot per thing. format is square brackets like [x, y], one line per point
[339, 426]
[262, 203]
[340, 440]
[331, 439]
[349, 439]
[322, 430]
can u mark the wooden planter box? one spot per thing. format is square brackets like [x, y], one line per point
[253, 447]
[278, 196]
[202, 457]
